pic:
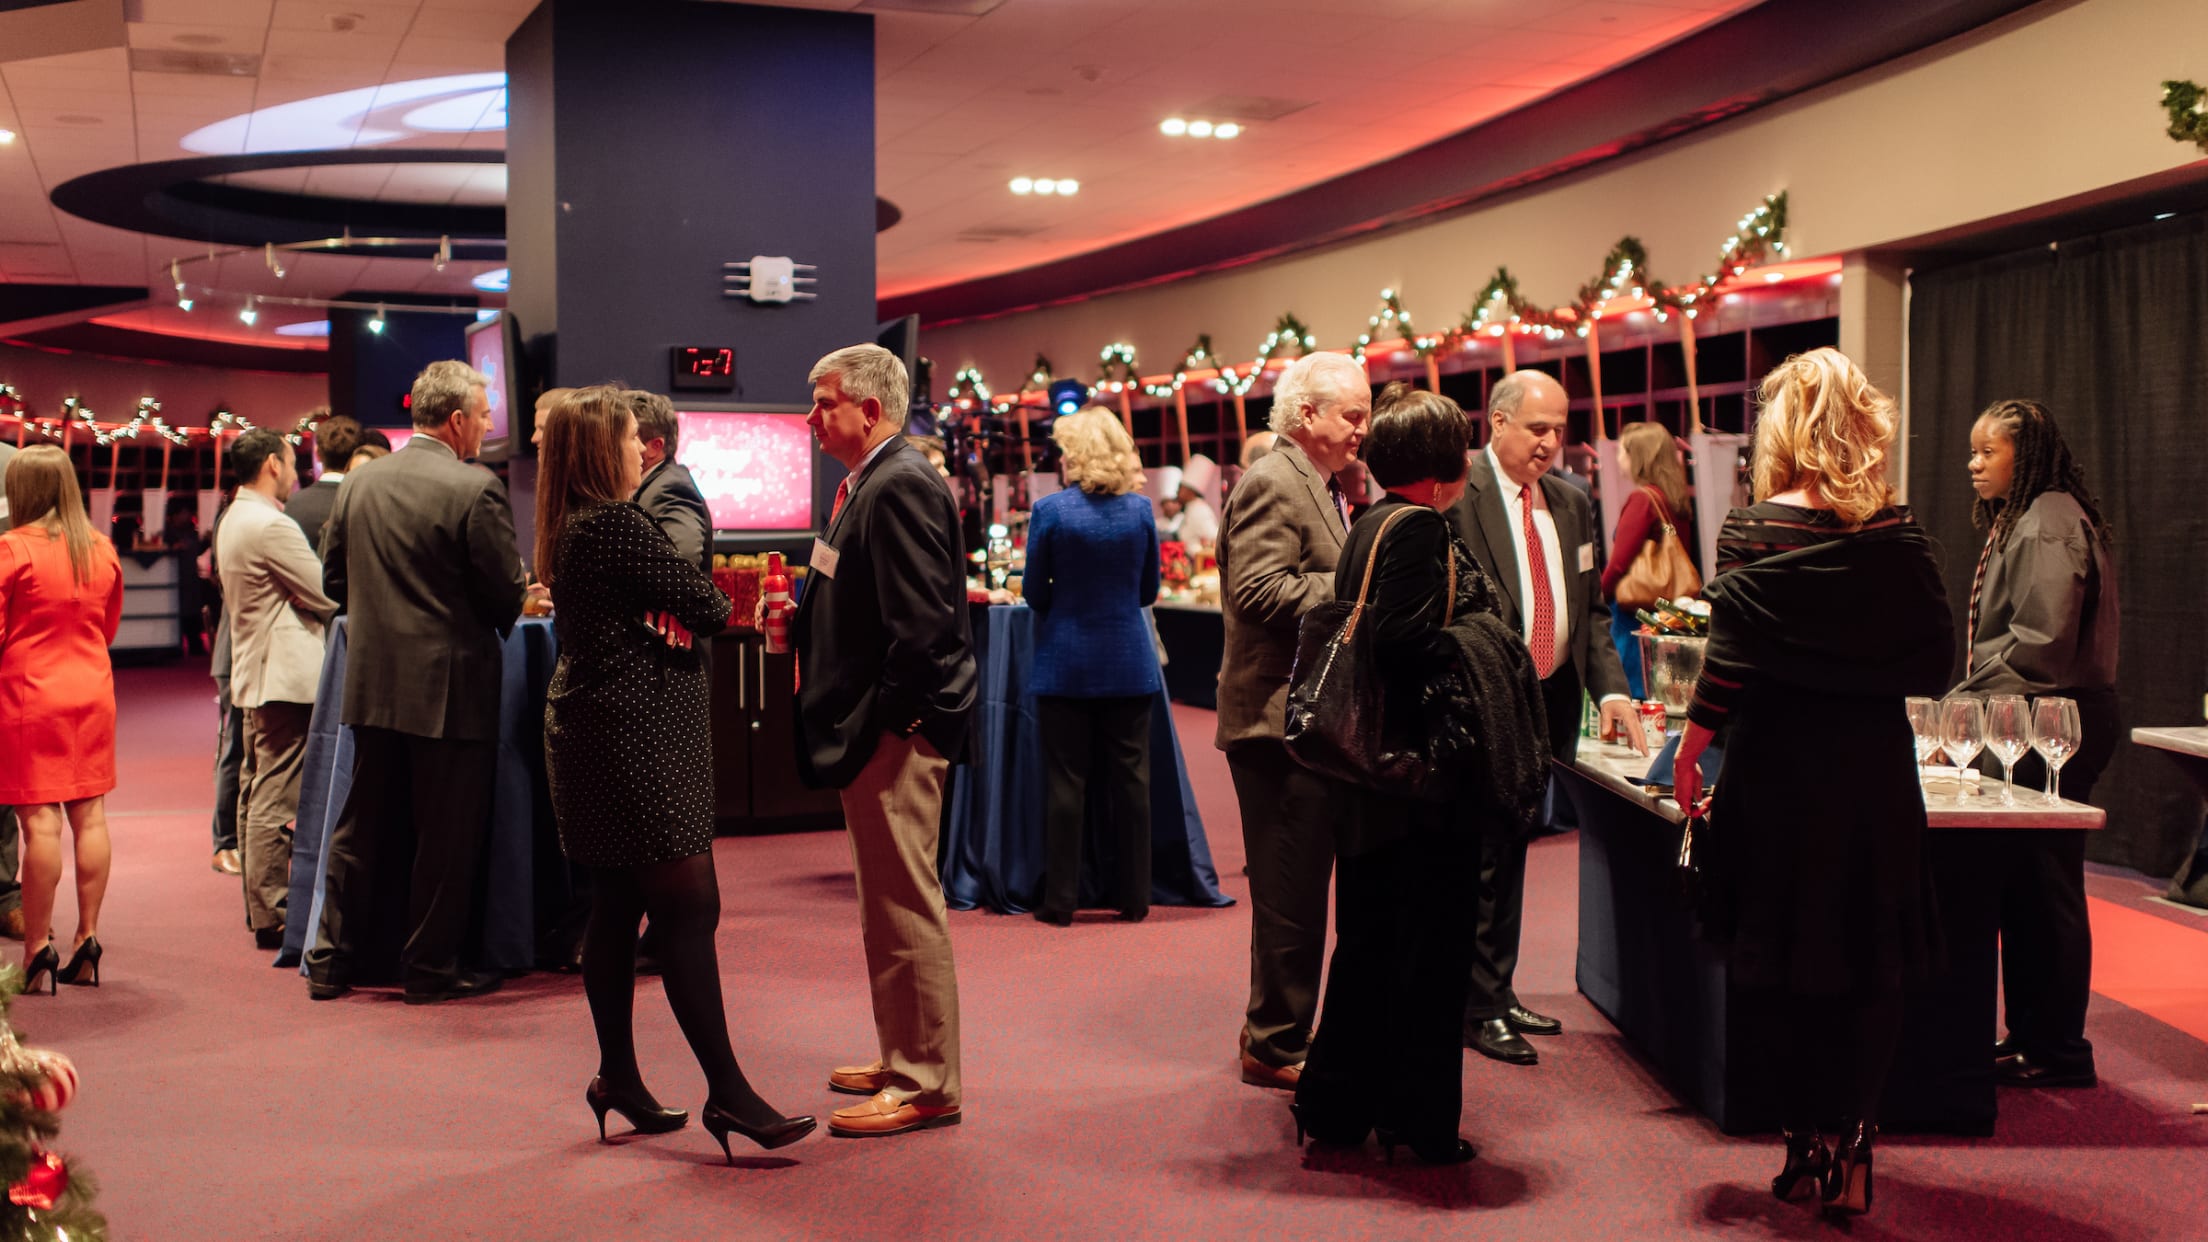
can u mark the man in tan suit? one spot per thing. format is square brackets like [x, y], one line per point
[1279, 541]
[272, 598]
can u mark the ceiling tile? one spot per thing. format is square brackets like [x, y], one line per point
[322, 16]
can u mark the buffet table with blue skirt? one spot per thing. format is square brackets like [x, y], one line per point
[524, 882]
[993, 843]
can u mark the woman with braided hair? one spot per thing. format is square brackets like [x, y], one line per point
[2043, 621]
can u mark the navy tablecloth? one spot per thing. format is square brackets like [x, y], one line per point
[519, 872]
[993, 848]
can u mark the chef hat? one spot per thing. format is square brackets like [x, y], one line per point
[1201, 473]
[1164, 483]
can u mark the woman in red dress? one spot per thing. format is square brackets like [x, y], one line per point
[61, 597]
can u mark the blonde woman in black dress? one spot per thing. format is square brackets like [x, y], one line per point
[628, 744]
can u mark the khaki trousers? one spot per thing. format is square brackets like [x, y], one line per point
[894, 810]
[268, 800]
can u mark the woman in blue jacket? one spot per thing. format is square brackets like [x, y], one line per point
[1092, 567]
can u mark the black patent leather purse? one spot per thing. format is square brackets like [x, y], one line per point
[1337, 701]
[1705, 883]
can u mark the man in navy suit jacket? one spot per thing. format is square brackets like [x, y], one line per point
[885, 683]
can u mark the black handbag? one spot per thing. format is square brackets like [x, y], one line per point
[1705, 884]
[1337, 702]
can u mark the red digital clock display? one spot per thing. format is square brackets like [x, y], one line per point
[702, 368]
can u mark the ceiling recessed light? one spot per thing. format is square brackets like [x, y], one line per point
[1023, 185]
[1173, 127]
[6, 136]
[1067, 185]
[1199, 129]
[1044, 185]
[1225, 129]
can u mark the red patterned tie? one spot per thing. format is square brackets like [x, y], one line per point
[843, 493]
[1543, 642]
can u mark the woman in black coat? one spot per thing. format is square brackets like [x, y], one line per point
[1826, 612]
[1389, 1055]
[628, 745]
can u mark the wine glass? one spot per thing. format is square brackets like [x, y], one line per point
[2055, 735]
[1962, 735]
[2008, 737]
[1924, 721]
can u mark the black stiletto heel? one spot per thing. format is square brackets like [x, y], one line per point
[781, 1134]
[1297, 1113]
[1848, 1185]
[45, 960]
[1807, 1160]
[87, 954]
[1454, 1150]
[642, 1111]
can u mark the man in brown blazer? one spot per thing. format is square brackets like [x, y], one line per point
[1279, 541]
[273, 602]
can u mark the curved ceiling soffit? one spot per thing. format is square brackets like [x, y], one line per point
[1757, 57]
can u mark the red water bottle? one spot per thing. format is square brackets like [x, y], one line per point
[774, 588]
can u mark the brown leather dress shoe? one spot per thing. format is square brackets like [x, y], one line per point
[885, 1115]
[226, 861]
[1258, 1074]
[858, 1079]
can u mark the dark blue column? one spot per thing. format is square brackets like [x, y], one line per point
[649, 143]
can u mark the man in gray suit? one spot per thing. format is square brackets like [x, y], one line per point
[1279, 541]
[273, 603]
[420, 551]
[1534, 534]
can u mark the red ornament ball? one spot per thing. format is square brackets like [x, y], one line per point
[58, 1085]
[43, 1186]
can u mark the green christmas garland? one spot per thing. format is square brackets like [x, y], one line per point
[2187, 105]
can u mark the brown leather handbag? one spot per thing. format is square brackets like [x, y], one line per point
[1661, 569]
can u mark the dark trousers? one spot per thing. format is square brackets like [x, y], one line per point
[1288, 837]
[1391, 1052]
[1107, 740]
[415, 822]
[229, 759]
[2046, 936]
[1502, 881]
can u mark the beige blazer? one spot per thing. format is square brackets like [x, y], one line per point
[1279, 542]
[272, 596]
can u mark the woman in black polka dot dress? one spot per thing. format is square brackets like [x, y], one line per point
[629, 746]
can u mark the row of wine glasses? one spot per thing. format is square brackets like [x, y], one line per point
[2003, 725]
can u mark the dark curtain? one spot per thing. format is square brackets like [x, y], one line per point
[2111, 333]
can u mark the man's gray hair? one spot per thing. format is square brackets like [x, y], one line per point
[1510, 392]
[1310, 384]
[441, 391]
[655, 418]
[869, 371]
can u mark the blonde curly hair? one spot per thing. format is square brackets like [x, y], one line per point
[1099, 455]
[1822, 425]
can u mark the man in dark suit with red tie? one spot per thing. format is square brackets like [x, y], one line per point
[1534, 534]
[885, 684]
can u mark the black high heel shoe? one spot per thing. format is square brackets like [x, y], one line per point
[781, 1134]
[1848, 1185]
[47, 961]
[86, 954]
[1807, 1159]
[1452, 1150]
[642, 1111]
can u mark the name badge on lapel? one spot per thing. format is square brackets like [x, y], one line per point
[824, 559]
[1586, 558]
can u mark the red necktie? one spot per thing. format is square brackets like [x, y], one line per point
[843, 493]
[1543, 642]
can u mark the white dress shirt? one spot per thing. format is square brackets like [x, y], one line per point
[1514, 499]
[1199, 526]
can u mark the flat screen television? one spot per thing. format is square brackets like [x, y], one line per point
[493, 349]
[755, 466]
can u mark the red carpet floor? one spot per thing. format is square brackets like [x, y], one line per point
[1102, 1100]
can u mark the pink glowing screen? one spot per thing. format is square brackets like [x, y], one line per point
[756, 470]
